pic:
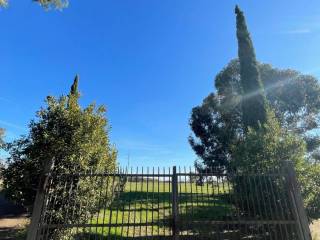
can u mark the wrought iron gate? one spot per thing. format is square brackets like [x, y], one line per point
[170, 204]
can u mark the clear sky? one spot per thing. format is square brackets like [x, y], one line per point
[148, 61]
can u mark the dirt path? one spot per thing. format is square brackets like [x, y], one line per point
[315, 230]
[13, 220]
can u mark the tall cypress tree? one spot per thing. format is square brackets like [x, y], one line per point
[254, 104]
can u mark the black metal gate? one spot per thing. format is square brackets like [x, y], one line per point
[170, 204]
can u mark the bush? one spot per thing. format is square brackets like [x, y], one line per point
[77, 139]
[267, 148]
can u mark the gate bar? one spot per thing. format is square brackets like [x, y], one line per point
[175, 211]
[297, 202]
[39, 201]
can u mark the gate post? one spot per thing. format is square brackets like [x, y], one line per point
[297, 202]
[175, 208]
[38, 203]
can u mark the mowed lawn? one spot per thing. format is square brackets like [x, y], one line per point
[148, 205]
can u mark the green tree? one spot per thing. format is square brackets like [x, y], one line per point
[77, 139]
[1, 146]
[237, 125]
[58, 4]
[1, 137]
[217, 122]
[265, 150]
[253, 98]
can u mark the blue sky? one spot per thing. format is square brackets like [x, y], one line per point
[148, 61]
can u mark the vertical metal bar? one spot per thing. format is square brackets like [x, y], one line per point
[233, 200]
[175, 227]
[275, 210]
[179, 189]
[124, 175]
[80, 207]
[92, 175]
[135, 204]
[226, 209]
[252, 193]
[282, 198]
[269, 202]
[111, 204]
[129, 207]
[105, 201]
[211, 203]
[141, 204]
[152, 213]
[197, 195]
[147, 203]
[258, 201]
[99, 201]
[218, 194]
[264, 204]
[117, 200]
[158, 175]
[297, 202]
[191, 194]
[163, 201]
[49, 195]
[239, 179]
[187, 220]
[167, 215]
[39, 201]
[169, 196]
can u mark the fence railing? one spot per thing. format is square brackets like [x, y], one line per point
[175, 203]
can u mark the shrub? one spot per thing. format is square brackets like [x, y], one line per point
[77, 139]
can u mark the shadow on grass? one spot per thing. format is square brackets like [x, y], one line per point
[13, 234]
[164, 198]
[215, 236]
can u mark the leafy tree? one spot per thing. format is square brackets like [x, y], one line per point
[3, 3]
[1, 137]
[228, 128]
[217, 122]
[1, 146]
[77, 139]
[265, 150]
[253, 98]
[58, 4]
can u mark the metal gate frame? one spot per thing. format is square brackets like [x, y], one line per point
[296, 204]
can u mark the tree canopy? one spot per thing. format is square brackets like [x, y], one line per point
[253, 98]
[77, 139]
[58, 4]
[217, 122]
[246, 127]
[1, 136]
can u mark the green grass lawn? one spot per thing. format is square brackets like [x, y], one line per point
[149, 204]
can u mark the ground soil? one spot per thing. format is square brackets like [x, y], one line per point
[13, 220]
[315, 229]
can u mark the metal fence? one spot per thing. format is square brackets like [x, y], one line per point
[170, 204]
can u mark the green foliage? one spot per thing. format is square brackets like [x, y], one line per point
[267, 148]
[58, 4]
[3, 3]
[47, 4]
[253, 98]
[2, 131]
[77, 139]
[309, 178]
[215, 129]
[255, 128]
[217, 122]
